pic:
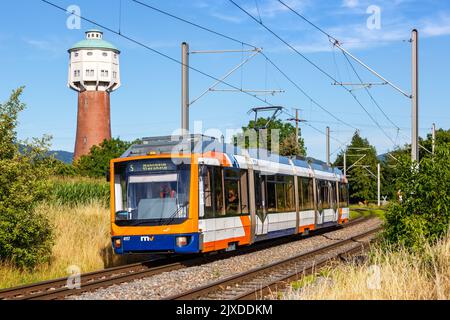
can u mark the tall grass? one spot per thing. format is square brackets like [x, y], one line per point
[82, 239]
[80, 191]
[387, 275]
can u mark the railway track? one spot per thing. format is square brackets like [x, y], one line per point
[259, 282]
[58, 288]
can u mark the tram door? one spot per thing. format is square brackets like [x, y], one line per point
[262, 222]
[321, 196]
[334, 200]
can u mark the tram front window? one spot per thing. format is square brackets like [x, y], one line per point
[156, 198]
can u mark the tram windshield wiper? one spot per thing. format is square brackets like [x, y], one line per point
[173, 216]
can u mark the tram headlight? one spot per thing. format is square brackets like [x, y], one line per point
[182, 241]
[118, 243]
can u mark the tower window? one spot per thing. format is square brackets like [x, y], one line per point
[114, 74]
[89, 53]
[105, 54]
[75, 54]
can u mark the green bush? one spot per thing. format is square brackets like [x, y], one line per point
[78, 192]
[26, 237]
[423, 214]
[96, 163]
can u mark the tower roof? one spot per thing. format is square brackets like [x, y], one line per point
[94, 42]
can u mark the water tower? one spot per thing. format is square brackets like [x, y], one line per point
[94, 73]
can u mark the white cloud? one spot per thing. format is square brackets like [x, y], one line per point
[437, 27]
[272, 9]
[227, 18]
[54, 47]
[350, 3]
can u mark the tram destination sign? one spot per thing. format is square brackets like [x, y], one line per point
[151, 166]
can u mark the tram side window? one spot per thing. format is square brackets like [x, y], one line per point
[219, 207]
[271, 195]
[244, 193]
[333, 193]
[208, 193]
[324, 194]
[281, 197]
[290, 194]
[307, 193]
[259, 189]
[280, 194]
[236, 193]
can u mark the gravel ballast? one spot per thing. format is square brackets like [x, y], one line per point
[174, 282]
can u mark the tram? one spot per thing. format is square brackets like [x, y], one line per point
[195, 194]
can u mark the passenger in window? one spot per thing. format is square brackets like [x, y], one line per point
[232, 202]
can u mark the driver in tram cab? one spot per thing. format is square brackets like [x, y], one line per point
[166, 191]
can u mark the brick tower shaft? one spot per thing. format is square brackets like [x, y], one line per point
[94, 124]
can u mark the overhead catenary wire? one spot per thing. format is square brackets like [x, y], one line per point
[368, 92]
[311, 126]
[323, 71]
[156, 51]
[338, 44]
[315, 65]
[220, 34]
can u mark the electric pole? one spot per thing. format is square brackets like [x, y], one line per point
[297, 121]
[296, 128]
[328, 146]
[345, 164]
[185, 88]
[415, 97]
[433, 139]
[379, 184]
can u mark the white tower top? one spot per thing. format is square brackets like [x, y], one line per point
[94, 64]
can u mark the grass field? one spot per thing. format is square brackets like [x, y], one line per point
[357, 211]
[82, 239]
[387, 275]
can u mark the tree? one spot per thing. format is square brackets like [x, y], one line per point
[26, 237]
[423, 213]
[442, 138]
[361, 157]
[96, 163]
[288, 144]
[391, 159]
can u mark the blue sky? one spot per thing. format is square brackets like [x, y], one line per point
[33, 52]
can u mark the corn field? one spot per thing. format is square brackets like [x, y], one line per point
[80, 191]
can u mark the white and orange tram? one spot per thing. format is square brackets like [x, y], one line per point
[194, 194]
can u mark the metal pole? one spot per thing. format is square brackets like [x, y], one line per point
[328, 146]
[296, 128]
[337, 44]
[345, 164]
[415, 96]
[185, 87]
[433, 138]
[379, 184]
